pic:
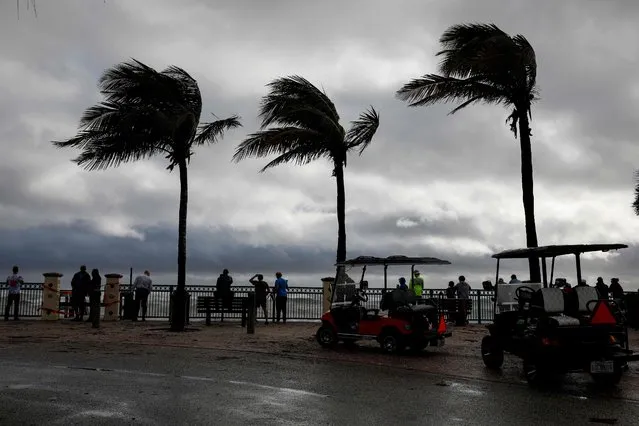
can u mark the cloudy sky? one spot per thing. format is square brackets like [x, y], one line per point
[430, 183]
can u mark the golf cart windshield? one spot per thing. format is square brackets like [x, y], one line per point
[345, 288]
[505, 294]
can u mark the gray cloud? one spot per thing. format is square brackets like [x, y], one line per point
[456, 177]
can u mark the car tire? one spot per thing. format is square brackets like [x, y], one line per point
[390, 343]
[491, 353]
[326, 336]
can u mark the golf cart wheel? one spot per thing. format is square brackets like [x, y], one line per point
[491, 353]
[326, 336]
[608, 379]
[390, 343]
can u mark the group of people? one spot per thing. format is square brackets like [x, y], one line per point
[615, 290]
[83, 285]
[459, 290]
[262, 293]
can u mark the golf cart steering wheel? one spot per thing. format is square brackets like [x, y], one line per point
[525, 291]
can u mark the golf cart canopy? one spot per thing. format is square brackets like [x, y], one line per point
[546, 252]
[392, 260]
[556, 250]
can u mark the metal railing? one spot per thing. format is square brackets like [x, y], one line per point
[304, 303]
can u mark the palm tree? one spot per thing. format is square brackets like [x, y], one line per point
[635, 204]
[481, 63]
[146, 113]
[300, 124]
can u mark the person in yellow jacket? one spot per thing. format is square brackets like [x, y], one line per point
[416, 284]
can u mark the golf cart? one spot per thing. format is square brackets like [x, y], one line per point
[401, 320]
[557, 330]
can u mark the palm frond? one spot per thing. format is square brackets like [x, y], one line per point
[278, 141]
[144, 113]
[635, 204]
[362, 130]
[433, 88]
[294, 101]
[211, 132]
[462, 46]
[298, 156]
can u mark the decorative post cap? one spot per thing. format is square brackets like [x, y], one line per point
[113, 275]
[52, 275]
[328, 279]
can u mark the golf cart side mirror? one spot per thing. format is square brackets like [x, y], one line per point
[363, 285]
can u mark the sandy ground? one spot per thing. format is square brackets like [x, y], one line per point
[460, 356]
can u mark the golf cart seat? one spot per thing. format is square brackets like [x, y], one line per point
[392, 300]
[552, 304]
[506, 295]
[584, 295]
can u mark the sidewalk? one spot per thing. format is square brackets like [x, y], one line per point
[460, 356]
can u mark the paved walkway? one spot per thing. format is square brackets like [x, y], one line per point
[460, 356]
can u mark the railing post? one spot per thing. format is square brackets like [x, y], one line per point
[170, 303]
[478, 307]
[112, 297]
[208, 311]
[250, 301]
[50, 296]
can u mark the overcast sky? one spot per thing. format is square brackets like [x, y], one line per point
[430, 184]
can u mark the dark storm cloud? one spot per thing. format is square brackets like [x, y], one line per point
[64, 248]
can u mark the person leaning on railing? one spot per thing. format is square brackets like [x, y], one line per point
[143, 286]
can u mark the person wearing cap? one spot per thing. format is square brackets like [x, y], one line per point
[402, 284]
[417, 284]
[80, 283]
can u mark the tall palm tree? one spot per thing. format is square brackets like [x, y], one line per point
[481, 63]
[300, 124]
[146, 113]
[635, 204]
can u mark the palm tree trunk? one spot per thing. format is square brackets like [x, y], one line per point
[341, 212]
[179, 313]
[528, 193]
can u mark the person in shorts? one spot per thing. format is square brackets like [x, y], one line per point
[262, 291]
[14, 282]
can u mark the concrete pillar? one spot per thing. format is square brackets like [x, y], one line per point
[50, 308]
[112, 297]
[327, 288]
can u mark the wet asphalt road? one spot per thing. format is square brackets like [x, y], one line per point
[172, 386]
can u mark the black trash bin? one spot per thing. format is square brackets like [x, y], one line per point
[128, 305]
[187, 303]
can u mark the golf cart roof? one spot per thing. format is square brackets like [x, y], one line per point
[556, 250]
[393, 260]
